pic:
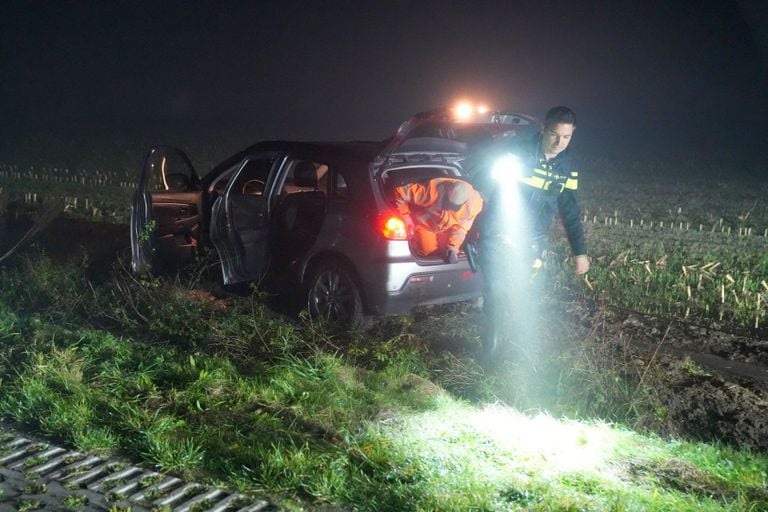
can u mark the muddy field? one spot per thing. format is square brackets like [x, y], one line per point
[713, 385]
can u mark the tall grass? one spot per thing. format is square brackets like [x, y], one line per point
[395, 418]
[399, 417]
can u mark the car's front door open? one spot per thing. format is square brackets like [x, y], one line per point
[166, 211]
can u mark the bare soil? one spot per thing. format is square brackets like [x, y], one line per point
[67, 239]
[713, 384]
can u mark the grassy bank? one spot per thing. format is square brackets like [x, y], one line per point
[399, 417]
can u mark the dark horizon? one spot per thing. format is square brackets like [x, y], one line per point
[646, 82]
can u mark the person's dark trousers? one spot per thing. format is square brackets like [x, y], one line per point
[508, 298]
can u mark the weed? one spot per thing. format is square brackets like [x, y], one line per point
[148, 481]
[35, 488]
[75, 501]
[391, 419]
[113, 496]
[25, 505]
[111, 484]
[72, 458]
[34, 461]
[148, 231]
[202, 505]
[118, 508]
[693, 369]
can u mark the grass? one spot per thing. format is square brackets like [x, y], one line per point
[399, 417]
[396, 418]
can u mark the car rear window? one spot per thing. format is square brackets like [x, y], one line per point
[392, 178]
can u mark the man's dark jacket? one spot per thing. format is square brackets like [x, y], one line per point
[547, 188]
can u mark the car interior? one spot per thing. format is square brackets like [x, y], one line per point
[300, 209]
[252, 180]
[393, 178]
[176, 207]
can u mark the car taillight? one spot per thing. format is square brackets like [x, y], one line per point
[392, 227]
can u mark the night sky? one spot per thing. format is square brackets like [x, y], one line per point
[647, 79]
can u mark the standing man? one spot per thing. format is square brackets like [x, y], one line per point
[525, 185]
[442, 211]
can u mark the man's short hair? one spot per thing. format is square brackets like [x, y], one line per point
[559, 115]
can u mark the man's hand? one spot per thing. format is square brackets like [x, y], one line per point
[581, 263]
[451, 256]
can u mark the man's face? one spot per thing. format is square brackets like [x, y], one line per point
[556, 138]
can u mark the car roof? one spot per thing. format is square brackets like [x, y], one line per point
[335, 150]
[341, 154]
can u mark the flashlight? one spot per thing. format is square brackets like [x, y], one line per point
[507, 168]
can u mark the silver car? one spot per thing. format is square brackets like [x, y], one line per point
[317, 218]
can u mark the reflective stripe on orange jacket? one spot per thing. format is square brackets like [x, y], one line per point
[424, 203]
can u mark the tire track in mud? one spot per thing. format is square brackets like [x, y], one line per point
[713, 384]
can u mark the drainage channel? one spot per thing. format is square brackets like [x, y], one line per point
[39, 476]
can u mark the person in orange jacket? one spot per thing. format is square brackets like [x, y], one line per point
[442, 211]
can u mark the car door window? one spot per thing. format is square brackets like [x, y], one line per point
[171, 173]
[340, 189]
[300, 209]
[248, 191]
[304, 176]
[253, 177]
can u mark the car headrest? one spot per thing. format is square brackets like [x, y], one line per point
[177, 182]
[305, 174]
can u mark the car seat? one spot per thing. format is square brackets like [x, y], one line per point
[298, 217]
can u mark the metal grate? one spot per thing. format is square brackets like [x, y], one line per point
[50, 476]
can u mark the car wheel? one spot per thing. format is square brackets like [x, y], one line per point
[334, 296]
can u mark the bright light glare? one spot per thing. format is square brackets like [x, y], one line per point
[463, 111]
[560, 446]
[507, 169]
[482, 109]
[501, 443]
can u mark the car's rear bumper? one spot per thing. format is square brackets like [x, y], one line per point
[424, 286]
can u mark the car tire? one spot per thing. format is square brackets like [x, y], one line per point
[333, 295]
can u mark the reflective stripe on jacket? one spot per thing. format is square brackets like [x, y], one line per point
[549, 188]
[545, 177]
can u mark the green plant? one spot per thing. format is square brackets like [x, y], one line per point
[396, 418]
[75, 501]
[148, 231]
[35, 488]
[25, 505]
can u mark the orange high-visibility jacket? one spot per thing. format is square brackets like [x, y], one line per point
[424, 203]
